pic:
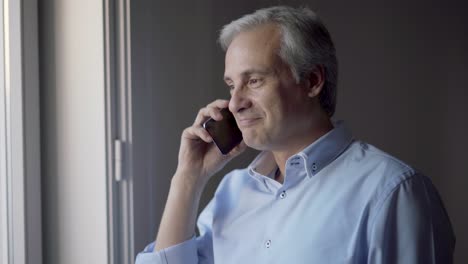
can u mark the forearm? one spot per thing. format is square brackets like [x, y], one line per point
[180, 214]
[199, 159]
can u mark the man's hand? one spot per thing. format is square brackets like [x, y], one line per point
[199, 158]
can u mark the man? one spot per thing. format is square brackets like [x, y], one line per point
[314, 194]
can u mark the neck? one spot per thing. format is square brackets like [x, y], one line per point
[297, 144]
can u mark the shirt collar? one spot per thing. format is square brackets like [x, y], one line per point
[316, 156]
[327, 148]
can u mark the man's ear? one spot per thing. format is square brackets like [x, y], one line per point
[316, 80]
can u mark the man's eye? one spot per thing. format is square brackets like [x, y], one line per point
[254, 82]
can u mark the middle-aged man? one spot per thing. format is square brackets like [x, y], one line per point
[314, 194]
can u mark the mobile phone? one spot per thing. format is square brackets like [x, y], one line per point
[225, 133]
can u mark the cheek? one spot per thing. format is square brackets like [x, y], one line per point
[277, 102]
[281, 105]
[275, 115]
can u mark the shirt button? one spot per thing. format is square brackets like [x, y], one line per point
[314, 167]
[283, 194]
[268, 243]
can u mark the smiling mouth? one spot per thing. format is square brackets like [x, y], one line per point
[247, 122]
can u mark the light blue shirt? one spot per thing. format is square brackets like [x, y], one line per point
[342, 201]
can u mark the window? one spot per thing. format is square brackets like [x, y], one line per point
[20, 218]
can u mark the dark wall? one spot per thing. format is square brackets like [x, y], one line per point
[403, 87]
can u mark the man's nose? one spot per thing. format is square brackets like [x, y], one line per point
[239, 100]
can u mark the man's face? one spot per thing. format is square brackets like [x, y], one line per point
[271, 109]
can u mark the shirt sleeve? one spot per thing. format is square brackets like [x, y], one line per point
[197, 250]
[412, 226]
[185, 252]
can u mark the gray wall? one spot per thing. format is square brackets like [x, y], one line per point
[403, 78]
[176, 69]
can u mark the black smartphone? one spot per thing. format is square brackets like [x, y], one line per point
[225, 133]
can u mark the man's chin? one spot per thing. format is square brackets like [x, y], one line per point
[255, 143]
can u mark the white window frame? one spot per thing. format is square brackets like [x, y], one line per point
[20, 192]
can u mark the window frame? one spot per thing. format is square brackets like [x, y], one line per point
[20, 190]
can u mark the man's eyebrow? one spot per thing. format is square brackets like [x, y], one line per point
[249, 72]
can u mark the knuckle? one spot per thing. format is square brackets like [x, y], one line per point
[210, 111]
[216, 103]
[186, 130]
[213, 110]
[200, 130]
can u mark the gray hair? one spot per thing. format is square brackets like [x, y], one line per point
[305, 44]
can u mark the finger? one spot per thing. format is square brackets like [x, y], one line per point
[203, 115]
[212, 108]
[195, 133]
[214, 113]
[220, 104]
[206, 113]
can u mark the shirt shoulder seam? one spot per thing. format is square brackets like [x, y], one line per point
[405, 176]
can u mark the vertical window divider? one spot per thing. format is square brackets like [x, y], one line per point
[20, 170]
[118, 131]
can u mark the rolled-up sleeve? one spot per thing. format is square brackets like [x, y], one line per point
[183, 253]
[197, 250]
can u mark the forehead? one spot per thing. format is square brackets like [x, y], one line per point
[256, 48]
